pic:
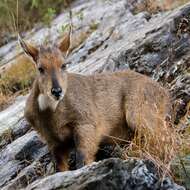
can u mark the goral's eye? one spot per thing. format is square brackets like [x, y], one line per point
[41, 70]
[63, 66]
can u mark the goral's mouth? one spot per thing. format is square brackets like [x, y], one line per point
[58, 98]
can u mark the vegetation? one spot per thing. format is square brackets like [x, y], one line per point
[18, 77]
[16, 80]
[154, 6]
[22, 15]
[160, 145]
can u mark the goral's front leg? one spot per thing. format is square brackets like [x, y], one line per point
[86, 143]
[61, 155]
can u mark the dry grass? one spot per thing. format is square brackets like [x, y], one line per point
[164, 145]
[28, 13]
[16, 80]
[155, 139]
[154, 6]
[6, 138]
[5, 100]
[160, 145]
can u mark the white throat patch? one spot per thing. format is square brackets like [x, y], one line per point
[45, 102]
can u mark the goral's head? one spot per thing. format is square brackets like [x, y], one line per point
[51, 67]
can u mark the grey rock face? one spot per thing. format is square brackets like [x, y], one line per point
[113, 174]
[22, 158]
[154, 45]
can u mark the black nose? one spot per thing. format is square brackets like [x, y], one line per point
[56, 92]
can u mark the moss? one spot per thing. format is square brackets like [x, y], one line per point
[94, 25]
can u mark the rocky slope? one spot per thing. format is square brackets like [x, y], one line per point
[115, 39]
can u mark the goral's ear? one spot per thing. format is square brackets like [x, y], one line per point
[28, 49]
[65, 44]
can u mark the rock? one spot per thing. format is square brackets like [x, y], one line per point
[9, 171]
[161, 53]
[27, 153]
[11, 122]
[38, 168]
[108, 174]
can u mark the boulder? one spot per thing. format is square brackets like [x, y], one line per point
[113, 174]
